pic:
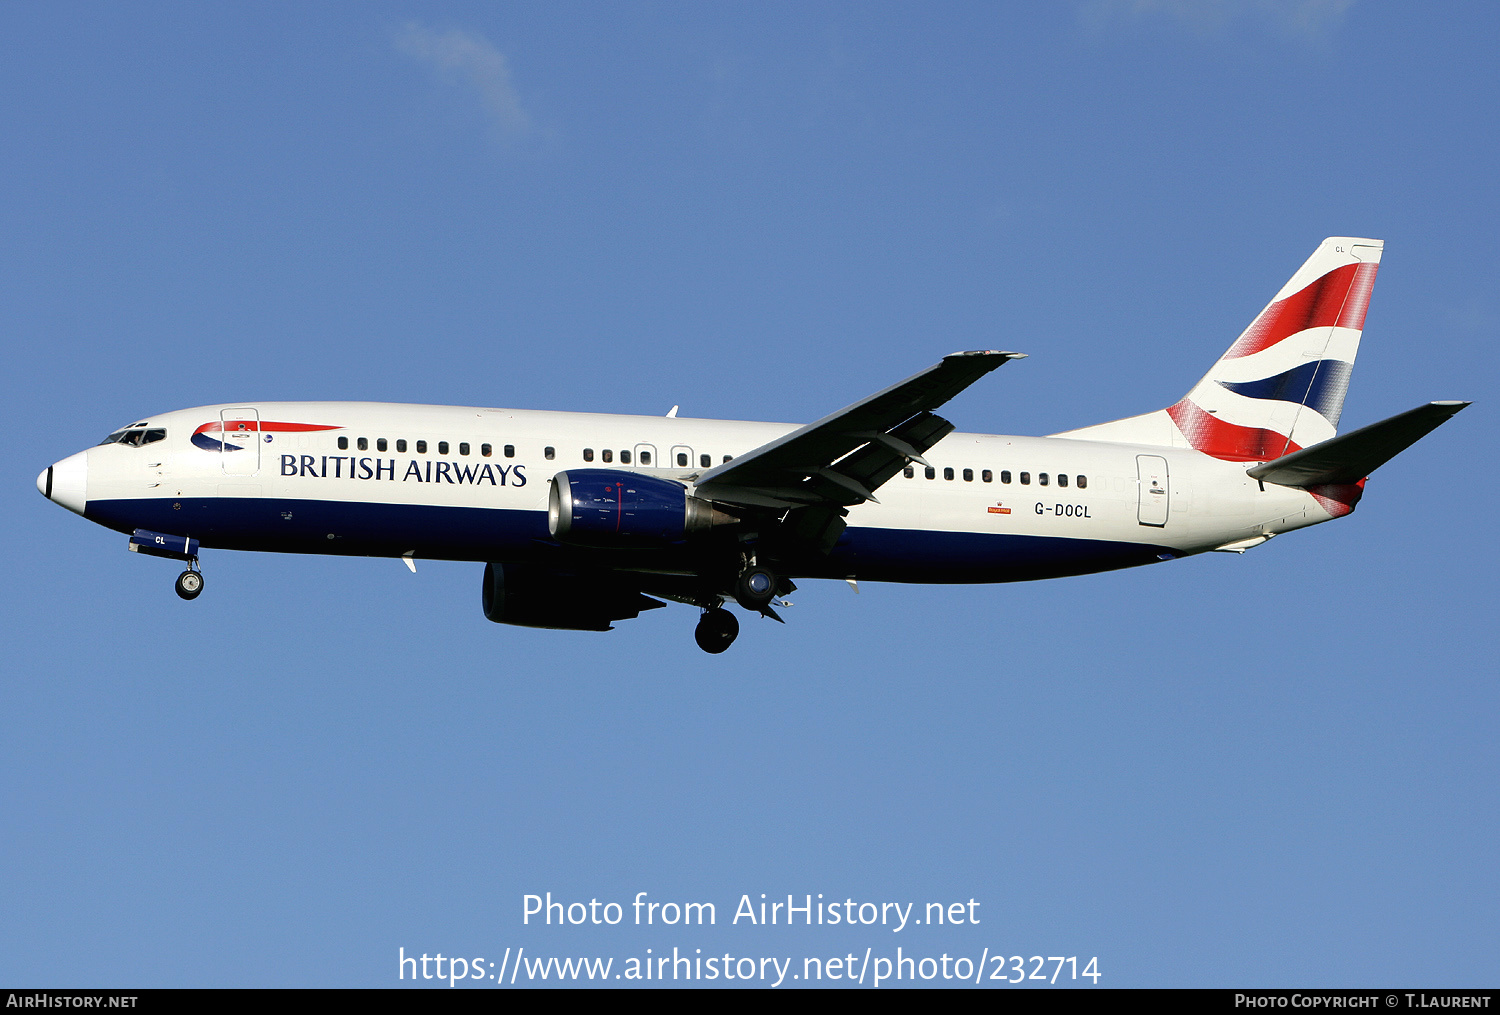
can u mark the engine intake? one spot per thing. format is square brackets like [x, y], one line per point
[613, 508]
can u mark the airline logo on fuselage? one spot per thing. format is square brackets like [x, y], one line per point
[245, 431]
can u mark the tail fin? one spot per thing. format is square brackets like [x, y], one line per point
[1280, 387]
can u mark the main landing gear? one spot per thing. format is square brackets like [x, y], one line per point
[190, 582]
[716, 630]
[755, 589]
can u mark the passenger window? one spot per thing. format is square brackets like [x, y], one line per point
[549, 453]
[624, 457]
[987, 476]
[1041, 478]
[607, 455]
[948, 473]
[908, 472]
[1062, 479]
[463, 447]
[588, 454]
[442, 447]
[705, 460]
[1025, 479]
[968, 475]
[380, 444]
[363, 444]
[421, 447]
[401, 445]
[1083, 482]
[1005, 475]
[645, 458]
[727, 458]
[682, 459]
[485, 450]
[343, 444]
[510, 451]
[930, 472]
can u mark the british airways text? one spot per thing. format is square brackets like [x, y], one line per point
[350, 467]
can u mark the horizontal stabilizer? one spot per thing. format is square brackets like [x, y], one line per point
[1353, 456]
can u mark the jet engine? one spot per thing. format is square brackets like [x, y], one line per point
[613, 508]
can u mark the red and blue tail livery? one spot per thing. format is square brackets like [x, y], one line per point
[1280, 386]
[582, 520]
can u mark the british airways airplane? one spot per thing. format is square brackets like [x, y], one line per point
[583, 519]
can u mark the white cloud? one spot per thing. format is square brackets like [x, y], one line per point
[1306, 18]
[470, 59]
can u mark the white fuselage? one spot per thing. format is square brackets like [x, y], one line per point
[476, 488]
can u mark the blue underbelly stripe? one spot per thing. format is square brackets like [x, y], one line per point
[485, 534]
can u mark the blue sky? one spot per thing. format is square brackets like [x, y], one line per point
[1270, 770]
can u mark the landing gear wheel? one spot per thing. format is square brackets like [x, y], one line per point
[189, 584]
[755, 588]
[716, 631]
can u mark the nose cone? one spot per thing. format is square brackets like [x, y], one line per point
[66, 483]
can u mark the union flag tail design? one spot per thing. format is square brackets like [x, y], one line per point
[1280, 387]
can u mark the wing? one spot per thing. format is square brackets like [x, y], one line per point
[842, 459]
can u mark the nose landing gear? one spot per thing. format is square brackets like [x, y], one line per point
[162, 544]
[190, 582]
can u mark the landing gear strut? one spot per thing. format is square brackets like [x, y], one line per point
[190, 583]
[716, 630]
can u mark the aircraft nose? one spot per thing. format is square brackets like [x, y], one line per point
[66, 483]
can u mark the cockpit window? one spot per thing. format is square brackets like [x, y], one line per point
[135, 437]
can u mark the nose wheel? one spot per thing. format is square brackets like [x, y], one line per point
[189, 584]
[716, 630]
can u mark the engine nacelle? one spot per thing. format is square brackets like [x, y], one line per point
[614, 508]
[530, 596]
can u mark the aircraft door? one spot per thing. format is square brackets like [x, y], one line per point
[240, 437]
[1156, 491]
[645, 454]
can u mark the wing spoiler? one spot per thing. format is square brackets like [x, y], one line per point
[1353, 456]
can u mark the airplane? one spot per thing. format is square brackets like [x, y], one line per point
[585, 519]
